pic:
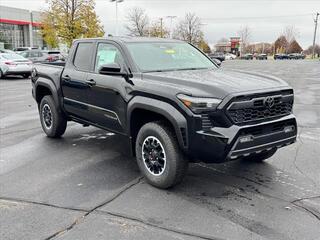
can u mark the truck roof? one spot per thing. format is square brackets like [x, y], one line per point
[127, 39]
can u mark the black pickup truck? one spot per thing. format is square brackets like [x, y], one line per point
[169, 99]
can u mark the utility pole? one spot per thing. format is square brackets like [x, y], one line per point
[161, 31]
[315, 34]
[117, 1]
[171, 30]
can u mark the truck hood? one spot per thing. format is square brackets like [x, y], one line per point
[215, 83]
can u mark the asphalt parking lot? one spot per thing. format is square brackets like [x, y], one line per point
[85, 186]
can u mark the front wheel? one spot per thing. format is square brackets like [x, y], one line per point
[158, 155]
[52, 119]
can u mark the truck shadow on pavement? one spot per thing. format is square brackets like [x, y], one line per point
[12, 78]
[92, 170]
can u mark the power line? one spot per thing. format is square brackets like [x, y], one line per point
[259, 17]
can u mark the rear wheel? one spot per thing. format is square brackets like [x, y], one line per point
[158, 155]
[25, 75]
[1, 74]
[52, 120]
[260, 157]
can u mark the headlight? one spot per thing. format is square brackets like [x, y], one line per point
[199, 104]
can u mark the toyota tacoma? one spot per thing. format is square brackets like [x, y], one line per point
[170, 100]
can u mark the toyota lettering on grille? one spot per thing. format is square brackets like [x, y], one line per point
[269, 102]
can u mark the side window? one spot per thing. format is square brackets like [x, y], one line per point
[107, 54]
[24, 54]
[33, 54]
[82, 59]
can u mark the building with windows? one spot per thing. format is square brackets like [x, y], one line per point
[20, 27]
[229, 46]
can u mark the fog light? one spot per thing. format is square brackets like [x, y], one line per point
[247, 138]
[288, 129]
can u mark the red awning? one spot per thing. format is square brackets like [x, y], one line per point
[18, 22]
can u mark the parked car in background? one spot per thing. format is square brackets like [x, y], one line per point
[55, 55]
[280, 56]
[21, 49]
[247, 56]
[230, 56]
[15, 65]
[262, 56]
[217, 55]
[296, 56]
[37, 56]
[3, 69]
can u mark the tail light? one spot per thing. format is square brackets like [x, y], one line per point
[10, 63]
[50, 58]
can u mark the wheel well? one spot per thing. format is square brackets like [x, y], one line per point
[139, 117]
[42, 91]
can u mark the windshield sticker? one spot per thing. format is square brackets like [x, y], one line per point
[170, 51]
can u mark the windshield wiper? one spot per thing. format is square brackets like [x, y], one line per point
[185, 69]
[151, 71]
[174, 69]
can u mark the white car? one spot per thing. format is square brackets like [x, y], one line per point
[14, 64]
[230, 56]
[3, 68]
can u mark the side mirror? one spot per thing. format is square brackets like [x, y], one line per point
[216, 61]
[112, 69]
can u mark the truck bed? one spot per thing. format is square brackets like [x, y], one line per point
[50, 71]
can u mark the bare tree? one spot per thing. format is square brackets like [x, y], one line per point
[138, 22]
[189, 29]
[245, 35]
[291, 33]
[157, 29]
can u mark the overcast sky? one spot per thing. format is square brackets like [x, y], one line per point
[266, 19]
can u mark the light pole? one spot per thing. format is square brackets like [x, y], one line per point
[171, 19]
[315, 34]
[117, 1]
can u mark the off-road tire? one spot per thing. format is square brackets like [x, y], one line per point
[176, 164]
[58, 121]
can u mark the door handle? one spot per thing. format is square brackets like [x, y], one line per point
[66, 78]
[91, 82]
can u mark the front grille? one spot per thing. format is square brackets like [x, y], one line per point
[256, 109]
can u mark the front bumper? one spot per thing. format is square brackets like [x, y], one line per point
[235, 142]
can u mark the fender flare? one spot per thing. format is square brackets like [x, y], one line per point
[50, 85]
[165, 109]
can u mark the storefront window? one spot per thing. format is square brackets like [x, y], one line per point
[37, 37]
[11, 35]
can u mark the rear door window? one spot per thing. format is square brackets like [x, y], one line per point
[82, 59]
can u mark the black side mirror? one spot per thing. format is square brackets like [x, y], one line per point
[217, 61]
[110, 69]
[114, 69]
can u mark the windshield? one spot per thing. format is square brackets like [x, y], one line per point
[168, 56]
[12, 56]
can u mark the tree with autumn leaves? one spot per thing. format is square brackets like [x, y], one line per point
[66, 20]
